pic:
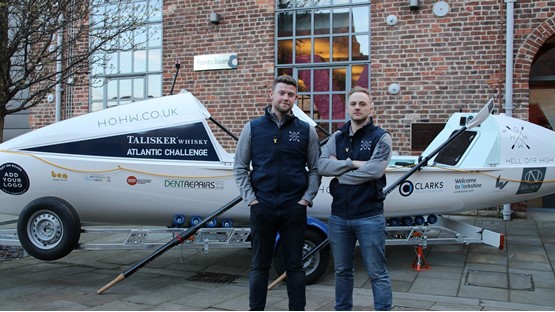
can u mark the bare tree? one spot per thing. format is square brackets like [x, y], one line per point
[45, 44]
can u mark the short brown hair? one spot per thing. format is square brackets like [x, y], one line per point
[285, 79]
[358, 89]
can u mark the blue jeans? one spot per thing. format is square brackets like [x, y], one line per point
[370, 233]
[266, 222]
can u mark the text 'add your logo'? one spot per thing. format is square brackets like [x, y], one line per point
[14, 180]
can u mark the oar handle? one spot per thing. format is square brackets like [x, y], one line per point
[314, 250]
[277, 281]
[116, 280]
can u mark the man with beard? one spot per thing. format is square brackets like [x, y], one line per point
[278, 190]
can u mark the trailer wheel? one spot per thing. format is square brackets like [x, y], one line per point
[49, 228]
[317, 265]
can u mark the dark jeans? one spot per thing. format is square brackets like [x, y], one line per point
[266, 222]
[370, 233]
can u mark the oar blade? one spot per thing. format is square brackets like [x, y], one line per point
[482, 115]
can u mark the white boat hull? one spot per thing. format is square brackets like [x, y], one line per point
[147, 193]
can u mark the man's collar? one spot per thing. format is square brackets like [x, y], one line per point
[274, 117]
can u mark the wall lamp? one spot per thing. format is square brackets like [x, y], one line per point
[215, 18]
[414, 5]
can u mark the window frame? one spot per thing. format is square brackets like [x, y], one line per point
[101, 78]
[286, 18]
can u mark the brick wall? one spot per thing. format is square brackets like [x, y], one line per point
[247, 28]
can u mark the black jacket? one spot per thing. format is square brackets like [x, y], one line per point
[278, 154]
[362, 200]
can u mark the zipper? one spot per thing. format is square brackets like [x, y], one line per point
[348, 190]
[277, 142]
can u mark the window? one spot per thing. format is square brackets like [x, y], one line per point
[542, 86]
[455, 150]
[124, 76]
[542, 73]
[423, 133]
[325, 45]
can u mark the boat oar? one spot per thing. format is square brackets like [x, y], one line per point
[178, 239]
[474, 122]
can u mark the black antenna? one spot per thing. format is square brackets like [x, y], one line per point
[177, 66]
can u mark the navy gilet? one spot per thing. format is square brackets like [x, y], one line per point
[362, 200]
[278, 155]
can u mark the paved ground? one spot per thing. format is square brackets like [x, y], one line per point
[460, 277]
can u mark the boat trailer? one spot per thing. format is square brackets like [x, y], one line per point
[445, 231]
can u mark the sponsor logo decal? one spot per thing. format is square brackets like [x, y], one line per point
[192, 143]
[57, 176]
[406, 188]
[194, 184]
[133, 180]
[98, 178]
[466, 185]
[14, 180]
[429, 186]
[531, 181]
[500, 185]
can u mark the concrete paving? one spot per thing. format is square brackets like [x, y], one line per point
[460, 277]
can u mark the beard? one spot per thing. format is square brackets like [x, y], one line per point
[283, 108]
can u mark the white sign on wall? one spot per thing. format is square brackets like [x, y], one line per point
[215, 61]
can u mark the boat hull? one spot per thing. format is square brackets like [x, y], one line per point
[104, 190]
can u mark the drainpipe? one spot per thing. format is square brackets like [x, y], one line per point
[509, 38]
[59, 38]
